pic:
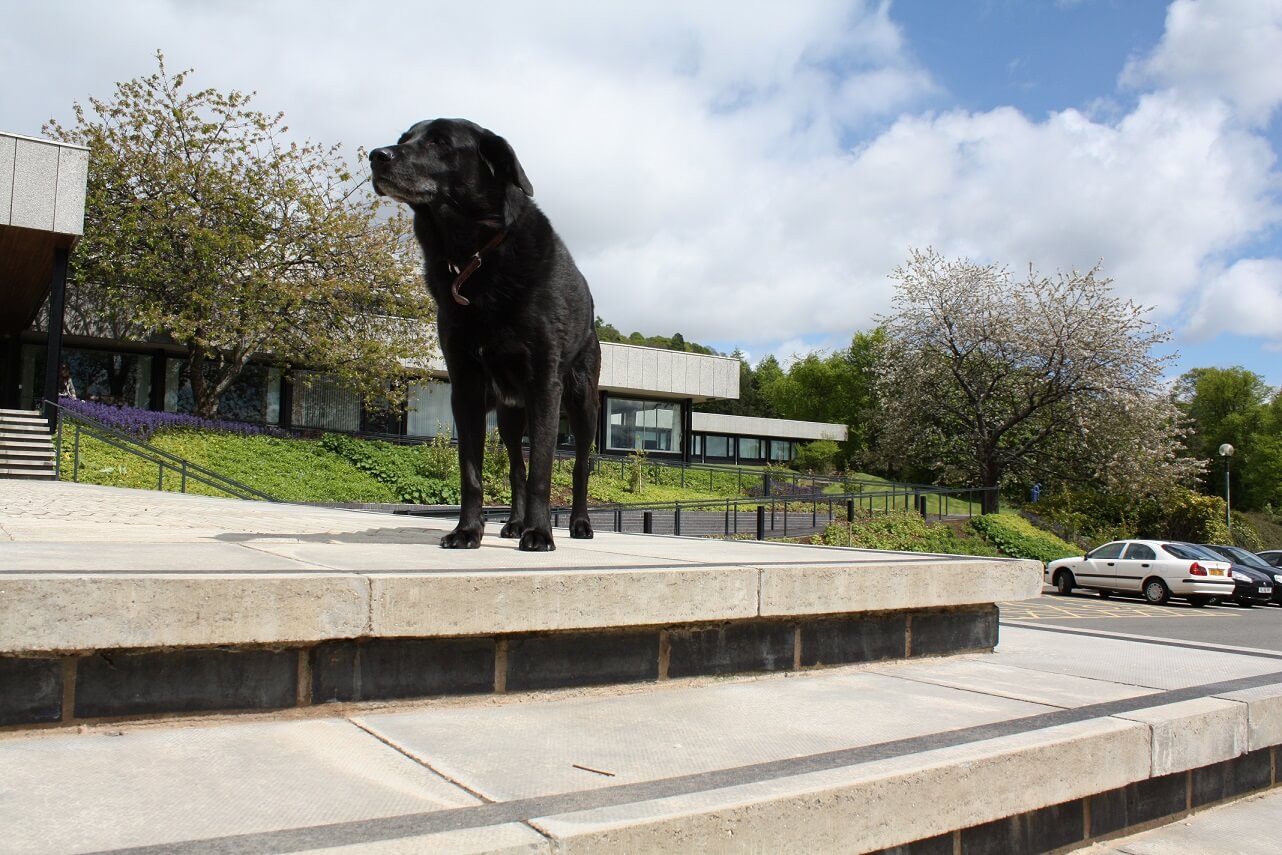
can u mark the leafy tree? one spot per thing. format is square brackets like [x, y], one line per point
[837, 388]
[207, 227]
[992, 380]
[1232, 405]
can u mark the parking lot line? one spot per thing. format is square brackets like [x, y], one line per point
[1074, 608]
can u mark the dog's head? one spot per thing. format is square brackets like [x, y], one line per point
[451, 162]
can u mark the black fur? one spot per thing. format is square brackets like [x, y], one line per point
[526, 344]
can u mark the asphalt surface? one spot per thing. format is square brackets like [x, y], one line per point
[1259, 627]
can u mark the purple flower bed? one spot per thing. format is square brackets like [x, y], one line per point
[142, 424]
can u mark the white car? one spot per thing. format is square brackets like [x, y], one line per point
[1158, 569]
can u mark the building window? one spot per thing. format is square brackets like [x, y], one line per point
[696, 446]
[651, 425]
[320, 402]
[780, 451]
[429, 410]
[751, 449]
[720, 447]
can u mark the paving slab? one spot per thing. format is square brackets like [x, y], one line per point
[1246, 827]
[110, 789]
[1140, 663]
[851, 759]
[515, 752]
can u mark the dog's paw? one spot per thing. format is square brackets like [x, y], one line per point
[534, 540]
[462, 538]
[581, 529]
[512, 529]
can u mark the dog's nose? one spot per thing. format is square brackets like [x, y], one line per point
[381, 155]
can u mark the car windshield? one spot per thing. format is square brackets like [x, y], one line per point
[1238, 555]
[1191, 552]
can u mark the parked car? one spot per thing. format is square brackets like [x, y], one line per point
[1244, 559]
[1272, 556]
[1157, 569]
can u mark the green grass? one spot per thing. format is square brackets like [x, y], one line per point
[291, 470]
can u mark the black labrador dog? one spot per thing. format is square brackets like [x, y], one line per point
[515, 317]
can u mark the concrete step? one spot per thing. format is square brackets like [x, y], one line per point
[26, 413]
[27, 474]
[38, 452]
[19, 426]
[29, 443]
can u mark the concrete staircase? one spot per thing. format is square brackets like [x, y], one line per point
[26, 449]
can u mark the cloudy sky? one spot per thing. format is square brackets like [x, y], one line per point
[750, 173]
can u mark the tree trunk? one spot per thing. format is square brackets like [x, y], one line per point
[990, 478]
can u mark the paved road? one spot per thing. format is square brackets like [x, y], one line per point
[1259, 627]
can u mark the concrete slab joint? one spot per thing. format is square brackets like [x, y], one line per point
[1194, 733]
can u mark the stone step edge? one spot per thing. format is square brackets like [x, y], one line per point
[72, 688]
[1040, 790]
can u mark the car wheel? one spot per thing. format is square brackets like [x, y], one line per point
[1156, 592]
[1199, 602]
[1064, 582]
[1246, 604]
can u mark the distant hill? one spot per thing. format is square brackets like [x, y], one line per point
[676, 341]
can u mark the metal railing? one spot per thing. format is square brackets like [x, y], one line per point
[78, 425]
[765, 517]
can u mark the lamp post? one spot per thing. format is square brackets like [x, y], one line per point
[1226, 451]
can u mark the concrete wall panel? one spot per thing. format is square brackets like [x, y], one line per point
[8, 148]
[35, 185]
[73, 175]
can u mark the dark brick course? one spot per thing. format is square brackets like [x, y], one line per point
[1041, 830]
[936, 633]
[1231, 778]
[30, 690]
[118, 684]
[582, 659]
[843, 641]
[731, 648]
[385, 669]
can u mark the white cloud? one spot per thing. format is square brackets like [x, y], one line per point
[1229, 49]
[1245, 300]
[695, 156]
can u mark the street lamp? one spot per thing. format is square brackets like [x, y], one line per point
[1226, 451]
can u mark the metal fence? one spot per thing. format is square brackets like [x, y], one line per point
[170, 468]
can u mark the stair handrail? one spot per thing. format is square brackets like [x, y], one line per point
[148, 452]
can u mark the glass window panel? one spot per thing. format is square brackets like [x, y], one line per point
[429, 409]
[651, 425]
[320, 402]
[718, 446]
[780, 450]
[750, 448]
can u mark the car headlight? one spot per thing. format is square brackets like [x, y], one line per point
[1241, 577]
[1277, 577]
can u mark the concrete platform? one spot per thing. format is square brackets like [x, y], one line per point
[125, 615]
[1024, 750]
[122, 603]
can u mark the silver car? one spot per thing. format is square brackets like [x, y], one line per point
[1158, 569]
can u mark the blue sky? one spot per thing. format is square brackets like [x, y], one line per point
[750, 173]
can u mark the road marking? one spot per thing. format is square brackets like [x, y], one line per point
[1093, 608]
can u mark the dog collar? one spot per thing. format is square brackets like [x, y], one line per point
[475, 262]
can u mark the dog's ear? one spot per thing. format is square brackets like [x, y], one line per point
[498, 155]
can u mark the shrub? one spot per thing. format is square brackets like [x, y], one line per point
[819, 457]
[424, 474]
[1018, 538]
[904, 531]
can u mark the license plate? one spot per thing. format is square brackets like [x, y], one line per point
[1215, 572]
[1266, 589]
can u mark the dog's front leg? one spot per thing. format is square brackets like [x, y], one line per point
[511, 429]
[543, 417]
[469, 420]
